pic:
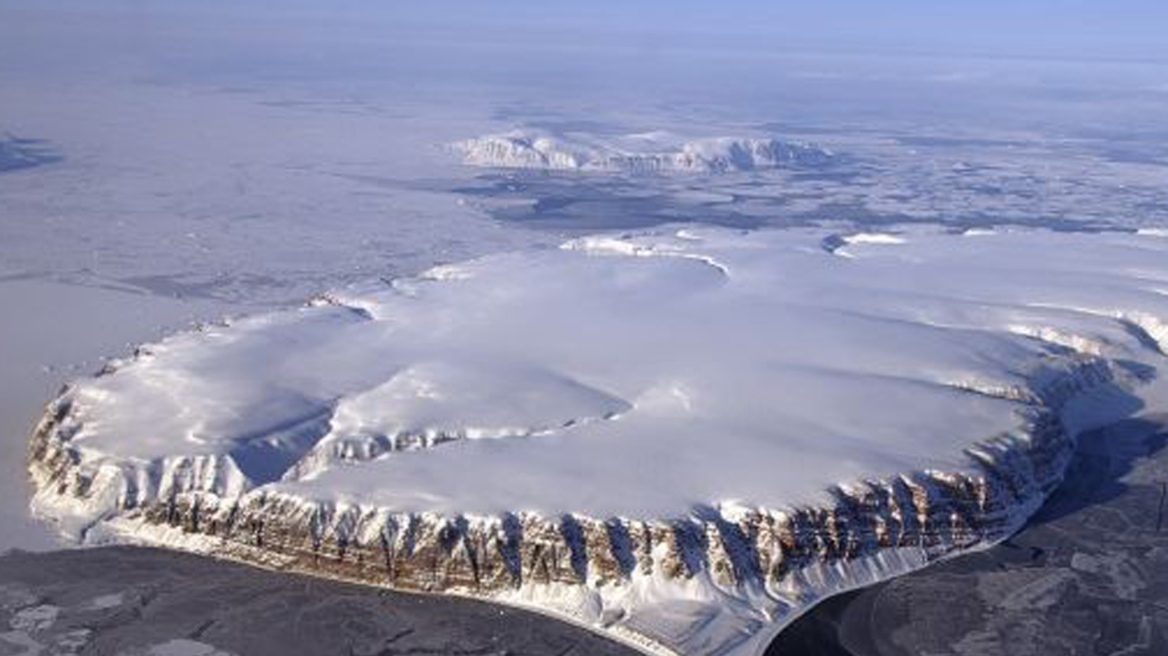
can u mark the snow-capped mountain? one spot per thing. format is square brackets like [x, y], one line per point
[680, 439]
[655, 152]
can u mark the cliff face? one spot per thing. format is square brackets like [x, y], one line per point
[754, 568]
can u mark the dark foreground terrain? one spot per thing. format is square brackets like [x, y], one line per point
[1088, 575]
[133, 601]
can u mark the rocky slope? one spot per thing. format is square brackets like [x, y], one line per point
[602, 570]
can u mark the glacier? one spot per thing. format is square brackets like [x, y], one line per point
[648, 152]
[681, 438]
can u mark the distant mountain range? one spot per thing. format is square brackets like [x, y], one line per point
[652, 152]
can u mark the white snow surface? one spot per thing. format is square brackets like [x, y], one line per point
[650, 152]
[638, 376]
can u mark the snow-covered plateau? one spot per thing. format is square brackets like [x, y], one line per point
[650, 152]
[682, 439]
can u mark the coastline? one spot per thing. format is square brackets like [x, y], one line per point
[54, 332]
[1083, 575]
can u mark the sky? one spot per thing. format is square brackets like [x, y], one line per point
[1124, 29]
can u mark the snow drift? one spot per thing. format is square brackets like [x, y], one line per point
[682, 439]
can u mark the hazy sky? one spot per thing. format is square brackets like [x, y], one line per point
[1059, 28]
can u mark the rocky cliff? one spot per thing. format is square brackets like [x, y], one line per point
[762, 565]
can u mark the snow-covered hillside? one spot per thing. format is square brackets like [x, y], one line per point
[653, 152]
[679, 438]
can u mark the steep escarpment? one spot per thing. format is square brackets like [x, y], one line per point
[682, 440]
[760, 565]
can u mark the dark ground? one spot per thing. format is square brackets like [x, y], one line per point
[134, 601]
[1088, 575]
